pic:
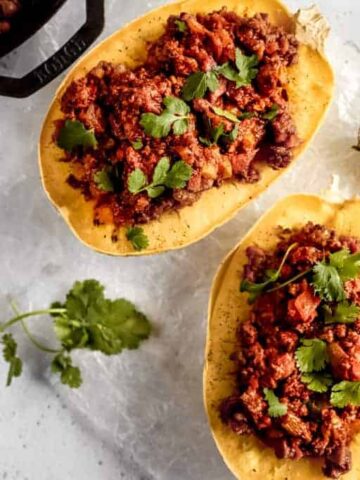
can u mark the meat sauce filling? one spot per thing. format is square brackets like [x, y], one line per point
[235, 115]
[298, 369]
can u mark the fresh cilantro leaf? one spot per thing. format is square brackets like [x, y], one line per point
[228, 71]
[69, 374]
[137, 144]
[344, 312]
[179, 174]
[212, 81]
[329, 276]
[245, 69]
[246, 66]
[94, 322]
[271, 113]
[198, 83]
[74, 134]
[180, 126]
[232, 136]
[276, 408]
[137, 237]
[164, 176]
[347, 264]
[181, 25]
[345, 393]
[226, 114]
[256, 289]
[176, 106]
[136, 180]
[317, 382]
[312, 356]
[246, 115]
[217, 132]
[327, 283]
[161, 170]
[103, 180]
[9, 354]
[174, 116]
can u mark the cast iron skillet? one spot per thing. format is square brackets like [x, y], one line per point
[34, 15]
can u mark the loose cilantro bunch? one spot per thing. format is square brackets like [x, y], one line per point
[175, 116]
[86, 320]
[164, 176]
[74, 134]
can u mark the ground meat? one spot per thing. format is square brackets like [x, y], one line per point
[266, 356]
[111, 100]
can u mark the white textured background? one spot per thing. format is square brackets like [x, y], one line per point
[138, 416]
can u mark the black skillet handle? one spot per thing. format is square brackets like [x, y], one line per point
[63, 58]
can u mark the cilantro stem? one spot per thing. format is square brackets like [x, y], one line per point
[34, 313]
[37, 344]
[291, 280]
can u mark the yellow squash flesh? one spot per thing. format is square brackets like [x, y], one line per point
[310, 91]
[245, 456]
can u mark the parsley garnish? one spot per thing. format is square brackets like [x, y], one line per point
[317, 381]
[226, 114]
[137, 144]
[137, 237]
[345, 393]
[103, 180]
[74, 134]
[256, 289]
[198, 84]
[9, 354]
[276, 408]
[175, 116]
[181, 25]
[85, 320]
[312, 356]
[271, 113]
[343, 312]
[329, 275]
[163, 176]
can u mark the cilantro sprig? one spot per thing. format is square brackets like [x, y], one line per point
[345, 393]
[256, 289]
[175, 116]
[312, 356]
[164, 176]
[242, 72]
[86, 320]
[137, 237]
[275, 407]
[330, 275]
[74, 134]
[217, 134]
[344, 312]
[198, 83]
[318, 381]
